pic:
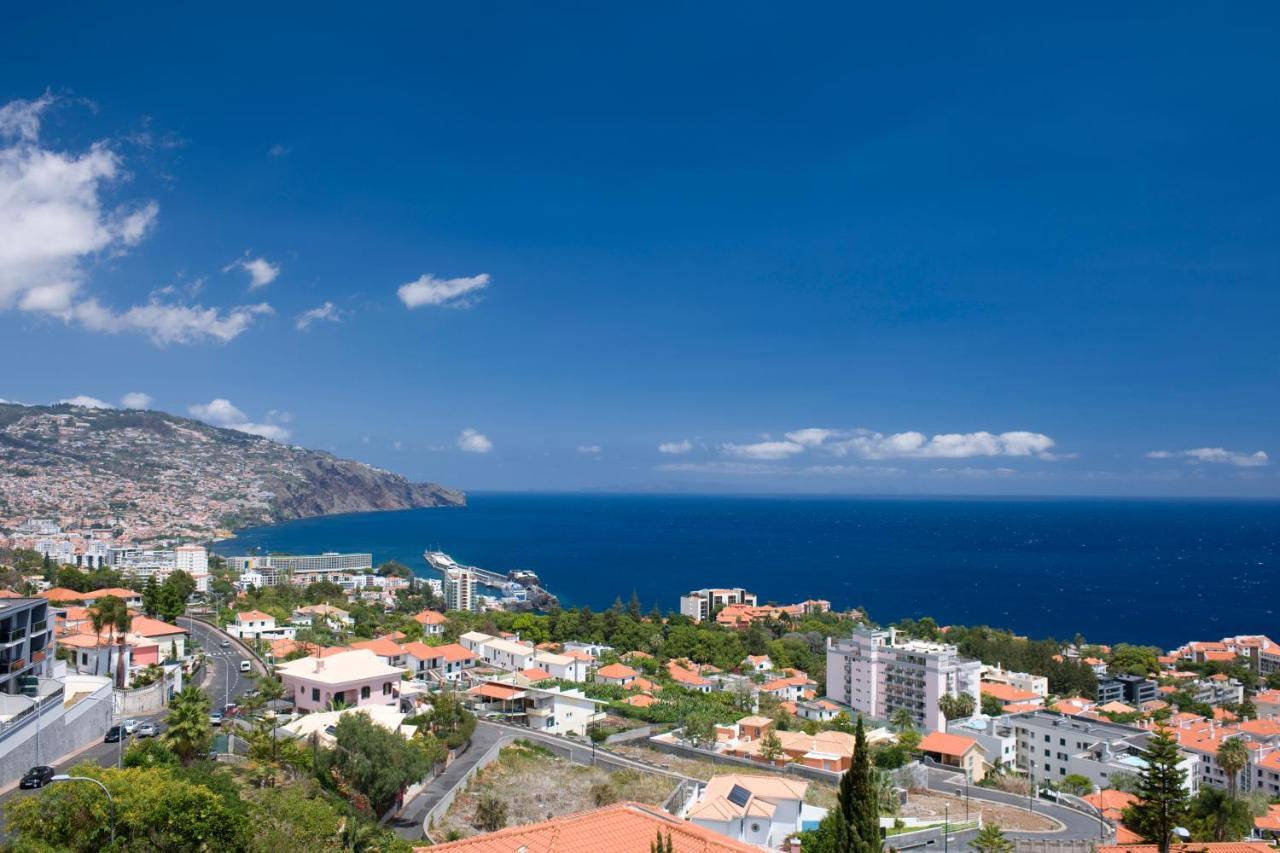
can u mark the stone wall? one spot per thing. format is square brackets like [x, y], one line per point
[62, 731]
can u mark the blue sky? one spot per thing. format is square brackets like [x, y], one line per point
[823, 249]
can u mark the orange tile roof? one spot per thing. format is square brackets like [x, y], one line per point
[1197, 847]
[946, 744]
[616, 670]
[620, 828]
[430, 617]
[145, 626]
[8, 593]
[1110, 801]
[1261, 728]
[489, 690]
[1125, 835]
[535, 674]
[117, 591]
[1008, 694]
[252, 616]
[382, 647]
[641, 700]
[644, 684]
[283, 647]
[1021, 707]
[683, 676]
[1269, 822]
[60, 593]
[452, 653]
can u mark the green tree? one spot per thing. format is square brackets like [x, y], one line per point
[376, 763]
[990, 839]
[858, 802]
[112, 614]
[1162, 801]
[1216, 815]
[700, 726]
[155, 810]
[1134, 660]
[1232, 758]
[955, 706]
[771, 746]
[491, 813]
[902, 721]
[1076, 784]
[992, 706]
[150, 752]
[151, 597]
[187, 729]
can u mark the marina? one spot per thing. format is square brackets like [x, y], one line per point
[518, 589]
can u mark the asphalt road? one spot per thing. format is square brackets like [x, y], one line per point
[1076, 825]
[222, 679]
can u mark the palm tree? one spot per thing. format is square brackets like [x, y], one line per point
[902, 721]
[188, 730]
[1232, 758]
[112, 614]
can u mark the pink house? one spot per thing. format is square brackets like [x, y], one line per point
[352, 678]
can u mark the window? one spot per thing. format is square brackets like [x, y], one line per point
[315, 694]
[1062, 771]
[386, 688]
[364, 692]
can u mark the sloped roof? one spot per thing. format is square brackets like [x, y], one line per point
[946, 744]
[620, 828]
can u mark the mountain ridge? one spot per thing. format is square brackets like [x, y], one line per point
[171, 477]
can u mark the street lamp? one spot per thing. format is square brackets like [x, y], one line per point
[946, 827]
[62, 777]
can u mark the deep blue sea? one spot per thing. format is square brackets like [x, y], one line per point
[1157, 572]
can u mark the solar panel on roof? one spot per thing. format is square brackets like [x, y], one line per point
[739, 796]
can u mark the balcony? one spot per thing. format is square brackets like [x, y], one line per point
[13, 666]
[13, 636]
[37, 657]
[39, 627]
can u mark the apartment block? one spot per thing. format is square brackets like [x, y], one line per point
[699, 604]
[877, 673]
[459, 589]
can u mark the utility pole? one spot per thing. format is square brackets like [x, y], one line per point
[946, 827]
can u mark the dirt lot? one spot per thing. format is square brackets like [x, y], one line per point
[926, 805]
[537, 785]
[818, 794]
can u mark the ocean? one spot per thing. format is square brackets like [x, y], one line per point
[1152, 572]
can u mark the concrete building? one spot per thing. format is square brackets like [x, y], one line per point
[542, 709]
[1129, 689]
[877, 674]
[459, 589]
[301, 569]
[994, 734]
[1052, 746]
[1024, 681]
[26, 635]
[699, 604]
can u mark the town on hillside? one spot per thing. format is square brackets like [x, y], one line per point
[424, 713]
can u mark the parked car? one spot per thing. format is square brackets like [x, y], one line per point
[37, 777]
[115, 734]
[215, 718]
[129, 726]
[148, 730]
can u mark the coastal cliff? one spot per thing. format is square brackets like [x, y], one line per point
[165, 477]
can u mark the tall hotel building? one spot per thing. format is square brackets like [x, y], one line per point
[876, 674]
[459, 589]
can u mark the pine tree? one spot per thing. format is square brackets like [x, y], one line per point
[858, 805]
[1162, 801]
[990, 839]
[660, 846]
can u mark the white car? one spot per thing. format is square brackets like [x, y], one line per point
[130, 726]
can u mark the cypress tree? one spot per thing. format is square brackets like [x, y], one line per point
[858, 806]
[1162, 801]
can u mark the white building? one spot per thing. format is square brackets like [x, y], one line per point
[562, 666]
[301, 569]
[875, 673]
[1051, 746]
[1024, 681]
[192, 559]
[254, 624]
[459, 589]
[758, 810]
[699, 604]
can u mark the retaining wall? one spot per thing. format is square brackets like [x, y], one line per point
[62, 731]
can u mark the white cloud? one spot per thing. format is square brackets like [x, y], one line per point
[1215, 455]
[87, 402]
[53, 220]
[327, 311]
[167, 323]
[54, 224]
[721, 467]
[590, 449]
[811, 437]
[908, 445]
[135, 400]
[278, 150]
[448, 292]
[261, 271]
[223, 413]
[675, 447]
[471, 441]
[764, 450]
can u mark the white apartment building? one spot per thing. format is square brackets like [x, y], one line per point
[875, 673]
[1025, 681]
[192, 559]
[699, 604]
[1051, 746]
[495, 651]
[301, 569]
[459, 589]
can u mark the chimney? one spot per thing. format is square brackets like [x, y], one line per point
[319, 662]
